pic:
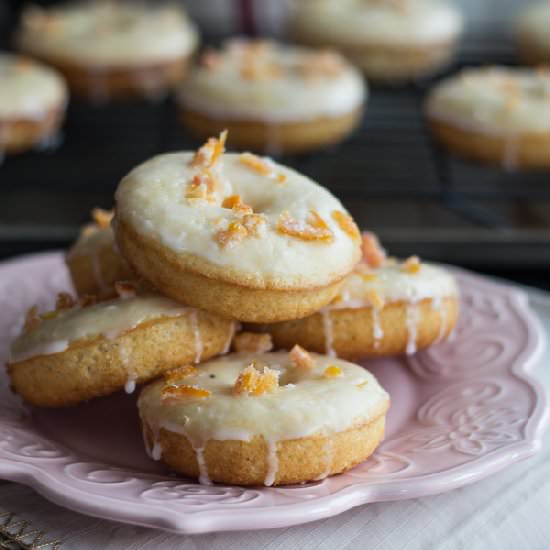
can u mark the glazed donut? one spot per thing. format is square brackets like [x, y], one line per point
[111, 49]
[272, 97]
[494, 115]
[394, 40]
[385, 310]
[532, 33]
[94, 262]
[86, 350]
[271, 419]
[237, 235]
[33, 99]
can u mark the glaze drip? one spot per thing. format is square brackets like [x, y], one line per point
[272, 462]
[328, 332]
[197, 335]
[412, 320]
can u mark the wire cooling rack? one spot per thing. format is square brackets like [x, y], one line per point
[390, 175]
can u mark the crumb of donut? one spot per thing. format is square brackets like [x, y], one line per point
[300, 358]
[172, 376]
[373, 253]
[87, 300]
[346, 224]
[412, 265]
[102, 218]
[253, 382]
[332, 371]
[235, 233]
[173, 394]
[314, 228]
[32, 320]
[211, 60]
[252, 342]
[64, 301]
[375, 299]
[125, 289]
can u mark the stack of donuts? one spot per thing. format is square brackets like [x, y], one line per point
[233, 290]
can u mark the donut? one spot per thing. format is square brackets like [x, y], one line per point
[33, 99]
[111, 49]
[532, 33]
[494, 115]
[395, 40]
[86, 349]
[272, 97]
[235, 234]
[385, 308]
[94, 262]
[272, 419]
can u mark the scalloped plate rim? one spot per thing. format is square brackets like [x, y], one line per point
[329, 505]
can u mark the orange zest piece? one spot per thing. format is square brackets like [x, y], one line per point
[252, 382]
[368, 277]
[101, 217]
[125, 289]
[209, 154]
[332, 371]
[252, 342]
[363, 384]
[64, 301]
[48, 315]
[412, 265]
[373, 253]
[314, 229]
[172, 376]
[235, 233]
[237, 205]
[255, 163]
[346, 224]
[300, 358]
[218, 148]
[172, 394]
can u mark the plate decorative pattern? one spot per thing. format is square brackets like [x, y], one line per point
[462, 410]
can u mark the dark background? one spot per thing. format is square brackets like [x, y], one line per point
[390, 175]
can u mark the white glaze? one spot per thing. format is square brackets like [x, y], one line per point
[28, 90]
[107, 319]
[534, 22]
[412, 319]
[394, 284]
[496, 101]
[289, 96]
[108, 33]
[377, 331]
[196, 335]
[151, 200]
[328, 332]
[360, 22]
[305, 404]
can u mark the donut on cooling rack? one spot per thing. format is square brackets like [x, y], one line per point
[271, 419]
[33, 99]
[235, 234]
[495, 115]
[86, 349]
[533, 33]
[94, 262]
[385, 308]
[111, 49]
[273, 97]
[394, 40]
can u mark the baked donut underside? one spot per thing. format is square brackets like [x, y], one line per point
[353, 333]
[167, 272]
[104, 83]
[101, 366]
[519, 150]
[258, 462]
[275, 137]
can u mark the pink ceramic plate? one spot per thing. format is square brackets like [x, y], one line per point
[460, 412]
